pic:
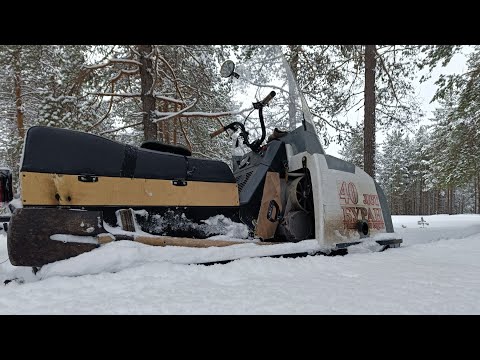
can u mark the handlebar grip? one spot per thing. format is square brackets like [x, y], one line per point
[217, 132]
[268, 98]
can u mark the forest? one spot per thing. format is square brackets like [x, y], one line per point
[175, 94]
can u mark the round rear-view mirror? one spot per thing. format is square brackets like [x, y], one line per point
[228, 69]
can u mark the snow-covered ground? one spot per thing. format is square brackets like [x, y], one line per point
[436, 271]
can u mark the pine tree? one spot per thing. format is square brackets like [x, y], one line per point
[394, 174]
[352, 150]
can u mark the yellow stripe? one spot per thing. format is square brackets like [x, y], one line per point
[42, 188]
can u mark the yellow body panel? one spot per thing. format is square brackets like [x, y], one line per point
[58, 189]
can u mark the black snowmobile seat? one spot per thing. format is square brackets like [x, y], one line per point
[162, 147]
[63, 151]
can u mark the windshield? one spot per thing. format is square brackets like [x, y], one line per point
[262, 70]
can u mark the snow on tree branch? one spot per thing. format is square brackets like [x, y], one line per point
[329, 123]
[199, 114]
[121, 128]
[124, 72]
[174, 114]
[113, 61]
[160, 97]
[390, 81]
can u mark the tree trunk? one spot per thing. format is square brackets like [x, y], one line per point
[434, 203]
[478, 193]
[292, 111]
[160, 126]
[420, 198]
[475, 193]
[454, 210]
[369, 117]
[449, 200]
[414, 202]
[175, 126]
[428, 202]
[446, 202]
[165, 126]
[390, 195]
[18, 92]
[148, 100]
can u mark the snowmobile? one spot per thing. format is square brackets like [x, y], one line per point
[78, 189]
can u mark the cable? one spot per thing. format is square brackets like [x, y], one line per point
[245, 121]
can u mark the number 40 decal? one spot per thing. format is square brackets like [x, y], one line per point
[348, 193]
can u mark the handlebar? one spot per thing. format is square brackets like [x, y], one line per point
[260, 104]
[269, 97]
[255, 145]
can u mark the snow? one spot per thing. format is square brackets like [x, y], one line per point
[435, 271]
[220, 227]
[74, 238]
[441, 227]
[226, 227]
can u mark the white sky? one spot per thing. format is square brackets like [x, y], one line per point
[424, 91]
